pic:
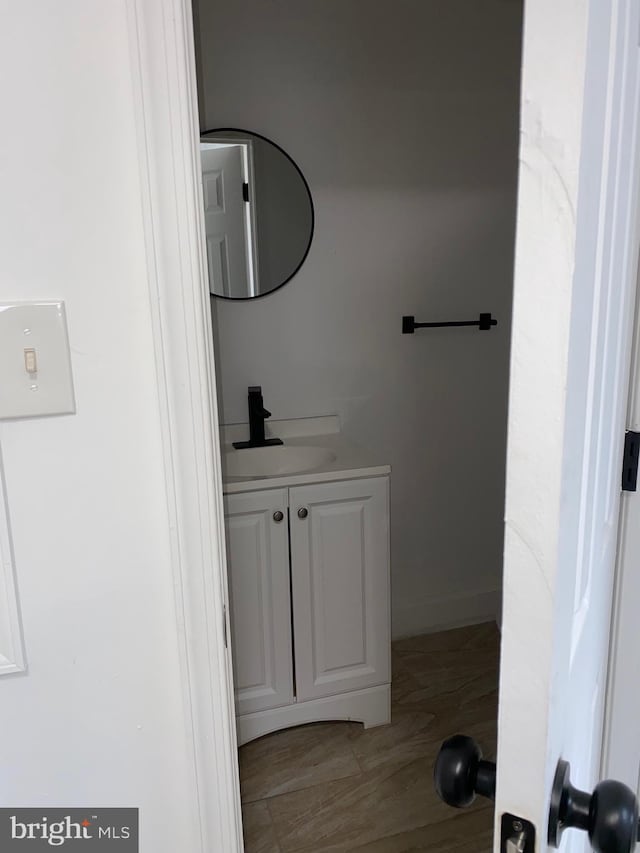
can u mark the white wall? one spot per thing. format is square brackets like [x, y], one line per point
[97, 719]
[403, 118]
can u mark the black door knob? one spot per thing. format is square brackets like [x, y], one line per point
[609, 815]
[460, 772]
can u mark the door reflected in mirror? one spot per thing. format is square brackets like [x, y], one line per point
[258, 213]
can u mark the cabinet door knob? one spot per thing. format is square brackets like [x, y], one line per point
[303, 512]
[278, 516]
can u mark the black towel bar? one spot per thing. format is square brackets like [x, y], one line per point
[484, 322]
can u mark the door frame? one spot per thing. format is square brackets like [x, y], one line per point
[166, 112]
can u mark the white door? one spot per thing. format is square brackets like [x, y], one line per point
[340, 586]
[575, 274]
[260, 601]
[228, 255]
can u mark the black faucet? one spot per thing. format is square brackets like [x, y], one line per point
[257, 416]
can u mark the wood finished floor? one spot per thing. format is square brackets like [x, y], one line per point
[333, 787]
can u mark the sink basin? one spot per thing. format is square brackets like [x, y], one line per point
[275, 461]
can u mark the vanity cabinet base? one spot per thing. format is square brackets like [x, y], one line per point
[371, 706]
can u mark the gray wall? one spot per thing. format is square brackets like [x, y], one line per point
[403, 118]
[283, 215]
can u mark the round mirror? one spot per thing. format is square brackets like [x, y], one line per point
[258, 213]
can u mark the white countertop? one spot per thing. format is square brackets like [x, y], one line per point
[350, 461]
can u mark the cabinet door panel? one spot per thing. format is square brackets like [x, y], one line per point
[340, 584]
[259, 591]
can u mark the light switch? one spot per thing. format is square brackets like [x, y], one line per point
[35, 367]
[30, 361]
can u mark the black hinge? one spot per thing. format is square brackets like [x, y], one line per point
[245, 192]
[630, 461]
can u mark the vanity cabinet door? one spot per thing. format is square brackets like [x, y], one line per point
[260, 601]
[340, 586]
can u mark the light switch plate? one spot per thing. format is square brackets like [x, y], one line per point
[35, 366]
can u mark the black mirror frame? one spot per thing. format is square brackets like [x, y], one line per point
[313, 212]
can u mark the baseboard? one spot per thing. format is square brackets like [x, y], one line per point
[446, 611]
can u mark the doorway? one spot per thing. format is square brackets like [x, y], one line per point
[425, 227]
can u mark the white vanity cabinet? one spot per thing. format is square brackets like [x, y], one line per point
[310, 619]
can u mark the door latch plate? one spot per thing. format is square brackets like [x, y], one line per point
[517, 835]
